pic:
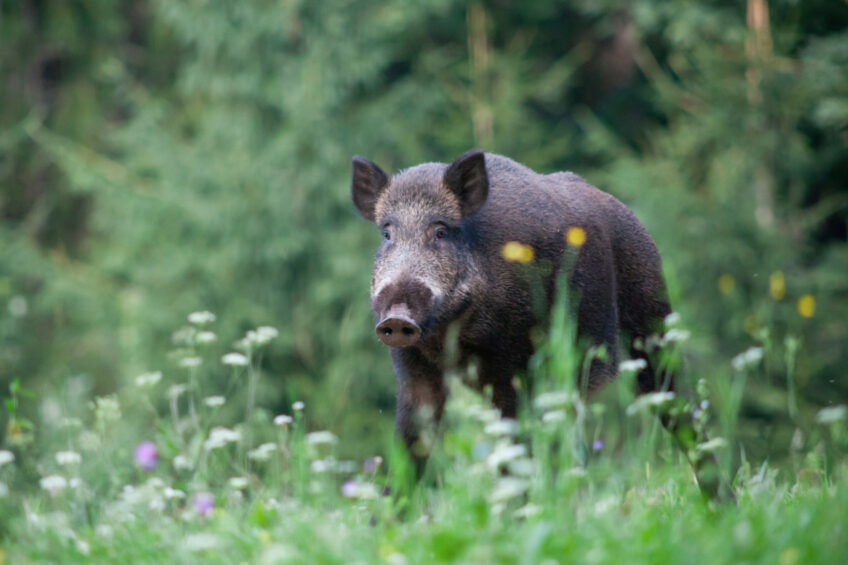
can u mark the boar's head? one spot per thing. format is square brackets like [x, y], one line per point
[424, 266]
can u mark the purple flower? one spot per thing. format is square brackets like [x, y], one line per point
[370, 465]
[146, 455]
[204, 503]
[597, 445]
[350, 489]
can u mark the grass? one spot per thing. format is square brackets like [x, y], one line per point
[225, 481]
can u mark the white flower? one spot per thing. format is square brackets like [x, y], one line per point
[299, 405]
[148, 379]
[507, 488]
[53, 484]
[6, 457]
[201, 318]
[672, 320]
[652, 399]
[552, 400]
[214, 401]
[747, 358]
[174, 391]
[832, 414]
[172, 493]
[75, 482]
[202, 541]
[502, 427]
[282, 420]
[632, 365]
[156, 504]
[68, 458]
[183, 463]
[234, 359]
[675, 334]
[190, 362]
[206, 337]
[103, 531]
[321, 465]
[323, 437]
[263, 452]
[219, 437]
[238, 483]
[553, 416]
[504, 454]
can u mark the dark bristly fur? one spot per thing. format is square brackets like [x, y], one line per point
[444, 227]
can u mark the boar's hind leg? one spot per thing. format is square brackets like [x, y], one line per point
[421, 398]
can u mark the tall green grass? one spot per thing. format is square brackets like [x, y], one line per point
[168, 471]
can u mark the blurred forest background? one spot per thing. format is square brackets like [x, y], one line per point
[159, 157]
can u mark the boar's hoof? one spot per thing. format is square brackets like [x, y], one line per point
[398, 331]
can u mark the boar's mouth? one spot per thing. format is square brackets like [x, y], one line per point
[403, 309]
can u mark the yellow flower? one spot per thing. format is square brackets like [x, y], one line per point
[264, 536]
[777, 285]
[516, 252]
[726, 283]
[807, 306]
[575, 236]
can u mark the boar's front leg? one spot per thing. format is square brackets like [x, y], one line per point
[421, 395]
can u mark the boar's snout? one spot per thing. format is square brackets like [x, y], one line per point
[397, 329]
[403, 308]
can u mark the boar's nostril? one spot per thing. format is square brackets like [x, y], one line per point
[398, 331]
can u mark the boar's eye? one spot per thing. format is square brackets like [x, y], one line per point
[441, 233]
[386, 235]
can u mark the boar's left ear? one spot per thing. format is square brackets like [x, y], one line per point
[466, 177]
[367, 184]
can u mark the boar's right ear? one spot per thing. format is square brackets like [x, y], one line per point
[467, 178]
[367, 183]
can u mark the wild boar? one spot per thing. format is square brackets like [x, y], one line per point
[440, 264]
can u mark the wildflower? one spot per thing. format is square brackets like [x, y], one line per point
[238, 483]
[671, 320]
[206, 337]
[174, 391]
[156, 504]
[505, 453]
[190, 362]
[319, 438]
[553, 416]
[202, 541]
[263, 452]
[807, 306]
[107, 410]
[597, 445]
[219, 437]
[68, 458]
[502, 427]
[146, 455]
[53, 484]
[182, 463]
[777, 285]
[6, 457]
[172, 493]
[103, 531]
[298, 406]
[75, 482]
[726, 283]
[201, 318]
[263, 335]
[552, 400]
[575, 236]
[524, 467]
[204, 503]
[321, 465]
[654, 399]
[214, 401]
[148, 379]
[235, 359]
[516, 252]
[507, 488]
[282, 420]
[747, 358]
[832, 414]
[676, 335]
[370, 465]
[632, 365]
[350, 489]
